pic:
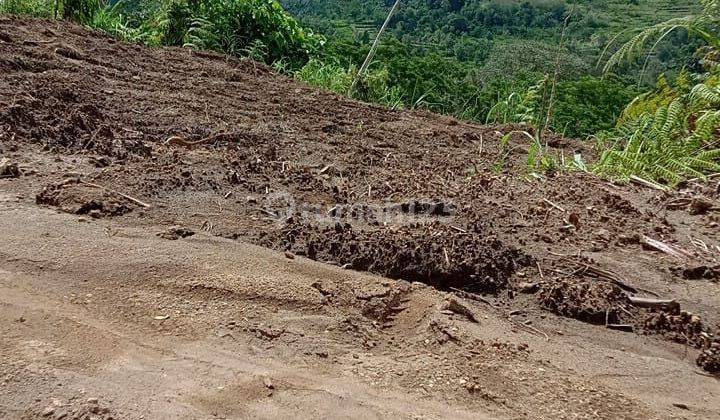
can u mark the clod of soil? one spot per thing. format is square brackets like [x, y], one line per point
[76, 198]
[701, 272]
[9, 169]
[682, 327]
[176, 232]
[709, 359]
[590, 301]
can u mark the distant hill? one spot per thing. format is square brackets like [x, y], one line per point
[498, 32]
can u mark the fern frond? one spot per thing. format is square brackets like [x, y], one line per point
[704, 95]
[634, 47]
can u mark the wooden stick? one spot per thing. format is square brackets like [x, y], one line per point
[373, 49]
[666, 248]
[542, 276]
[125, 196]
[179, 141]
[620, 327]
[645, 183]
[473, 296]
[613, 278]
[554, 205]
[458, 229]
[654, 303]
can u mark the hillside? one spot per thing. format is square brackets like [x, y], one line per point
[480, 31]
[466, 58]
[191, 235]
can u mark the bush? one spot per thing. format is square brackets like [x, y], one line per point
[590, 104]
[37, 8]
[260, 28]
[82, 11]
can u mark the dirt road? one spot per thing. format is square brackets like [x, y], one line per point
[212, 328]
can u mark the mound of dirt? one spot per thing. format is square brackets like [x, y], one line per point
[436, 254]
[75, 197]
[682, 327]
[589, 301]
[59, 120]
[709, 359]
[73, 410]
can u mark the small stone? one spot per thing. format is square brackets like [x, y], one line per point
[289, 255]
[681, 406]
[574, 220]
[92, 400]
[48, 411]
[528, 287]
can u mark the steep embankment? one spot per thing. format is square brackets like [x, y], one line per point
[135, 140]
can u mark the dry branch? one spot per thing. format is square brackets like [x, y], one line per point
[554, 205]
[645, 183]
[665, 304]
[125, 196]
[666, 248]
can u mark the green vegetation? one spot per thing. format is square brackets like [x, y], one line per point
[671, 133]
[39, 8]
[260, 29]
[462, 57]
[570, 66]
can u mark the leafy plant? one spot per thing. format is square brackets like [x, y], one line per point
[521, 107]
[244, 27]
[82, 11]
[672, 133]
[668, 146]
[37, 8]
[331, 76]
[703, 25]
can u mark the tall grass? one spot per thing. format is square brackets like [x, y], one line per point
[373, 86]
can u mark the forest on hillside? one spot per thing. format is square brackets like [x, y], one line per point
[462, 57]
[638, 78]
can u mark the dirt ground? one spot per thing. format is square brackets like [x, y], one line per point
[191, 236]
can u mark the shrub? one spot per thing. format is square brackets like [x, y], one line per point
[243, 27]
[37, 8]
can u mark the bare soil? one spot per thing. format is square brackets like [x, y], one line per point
[187, 235]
